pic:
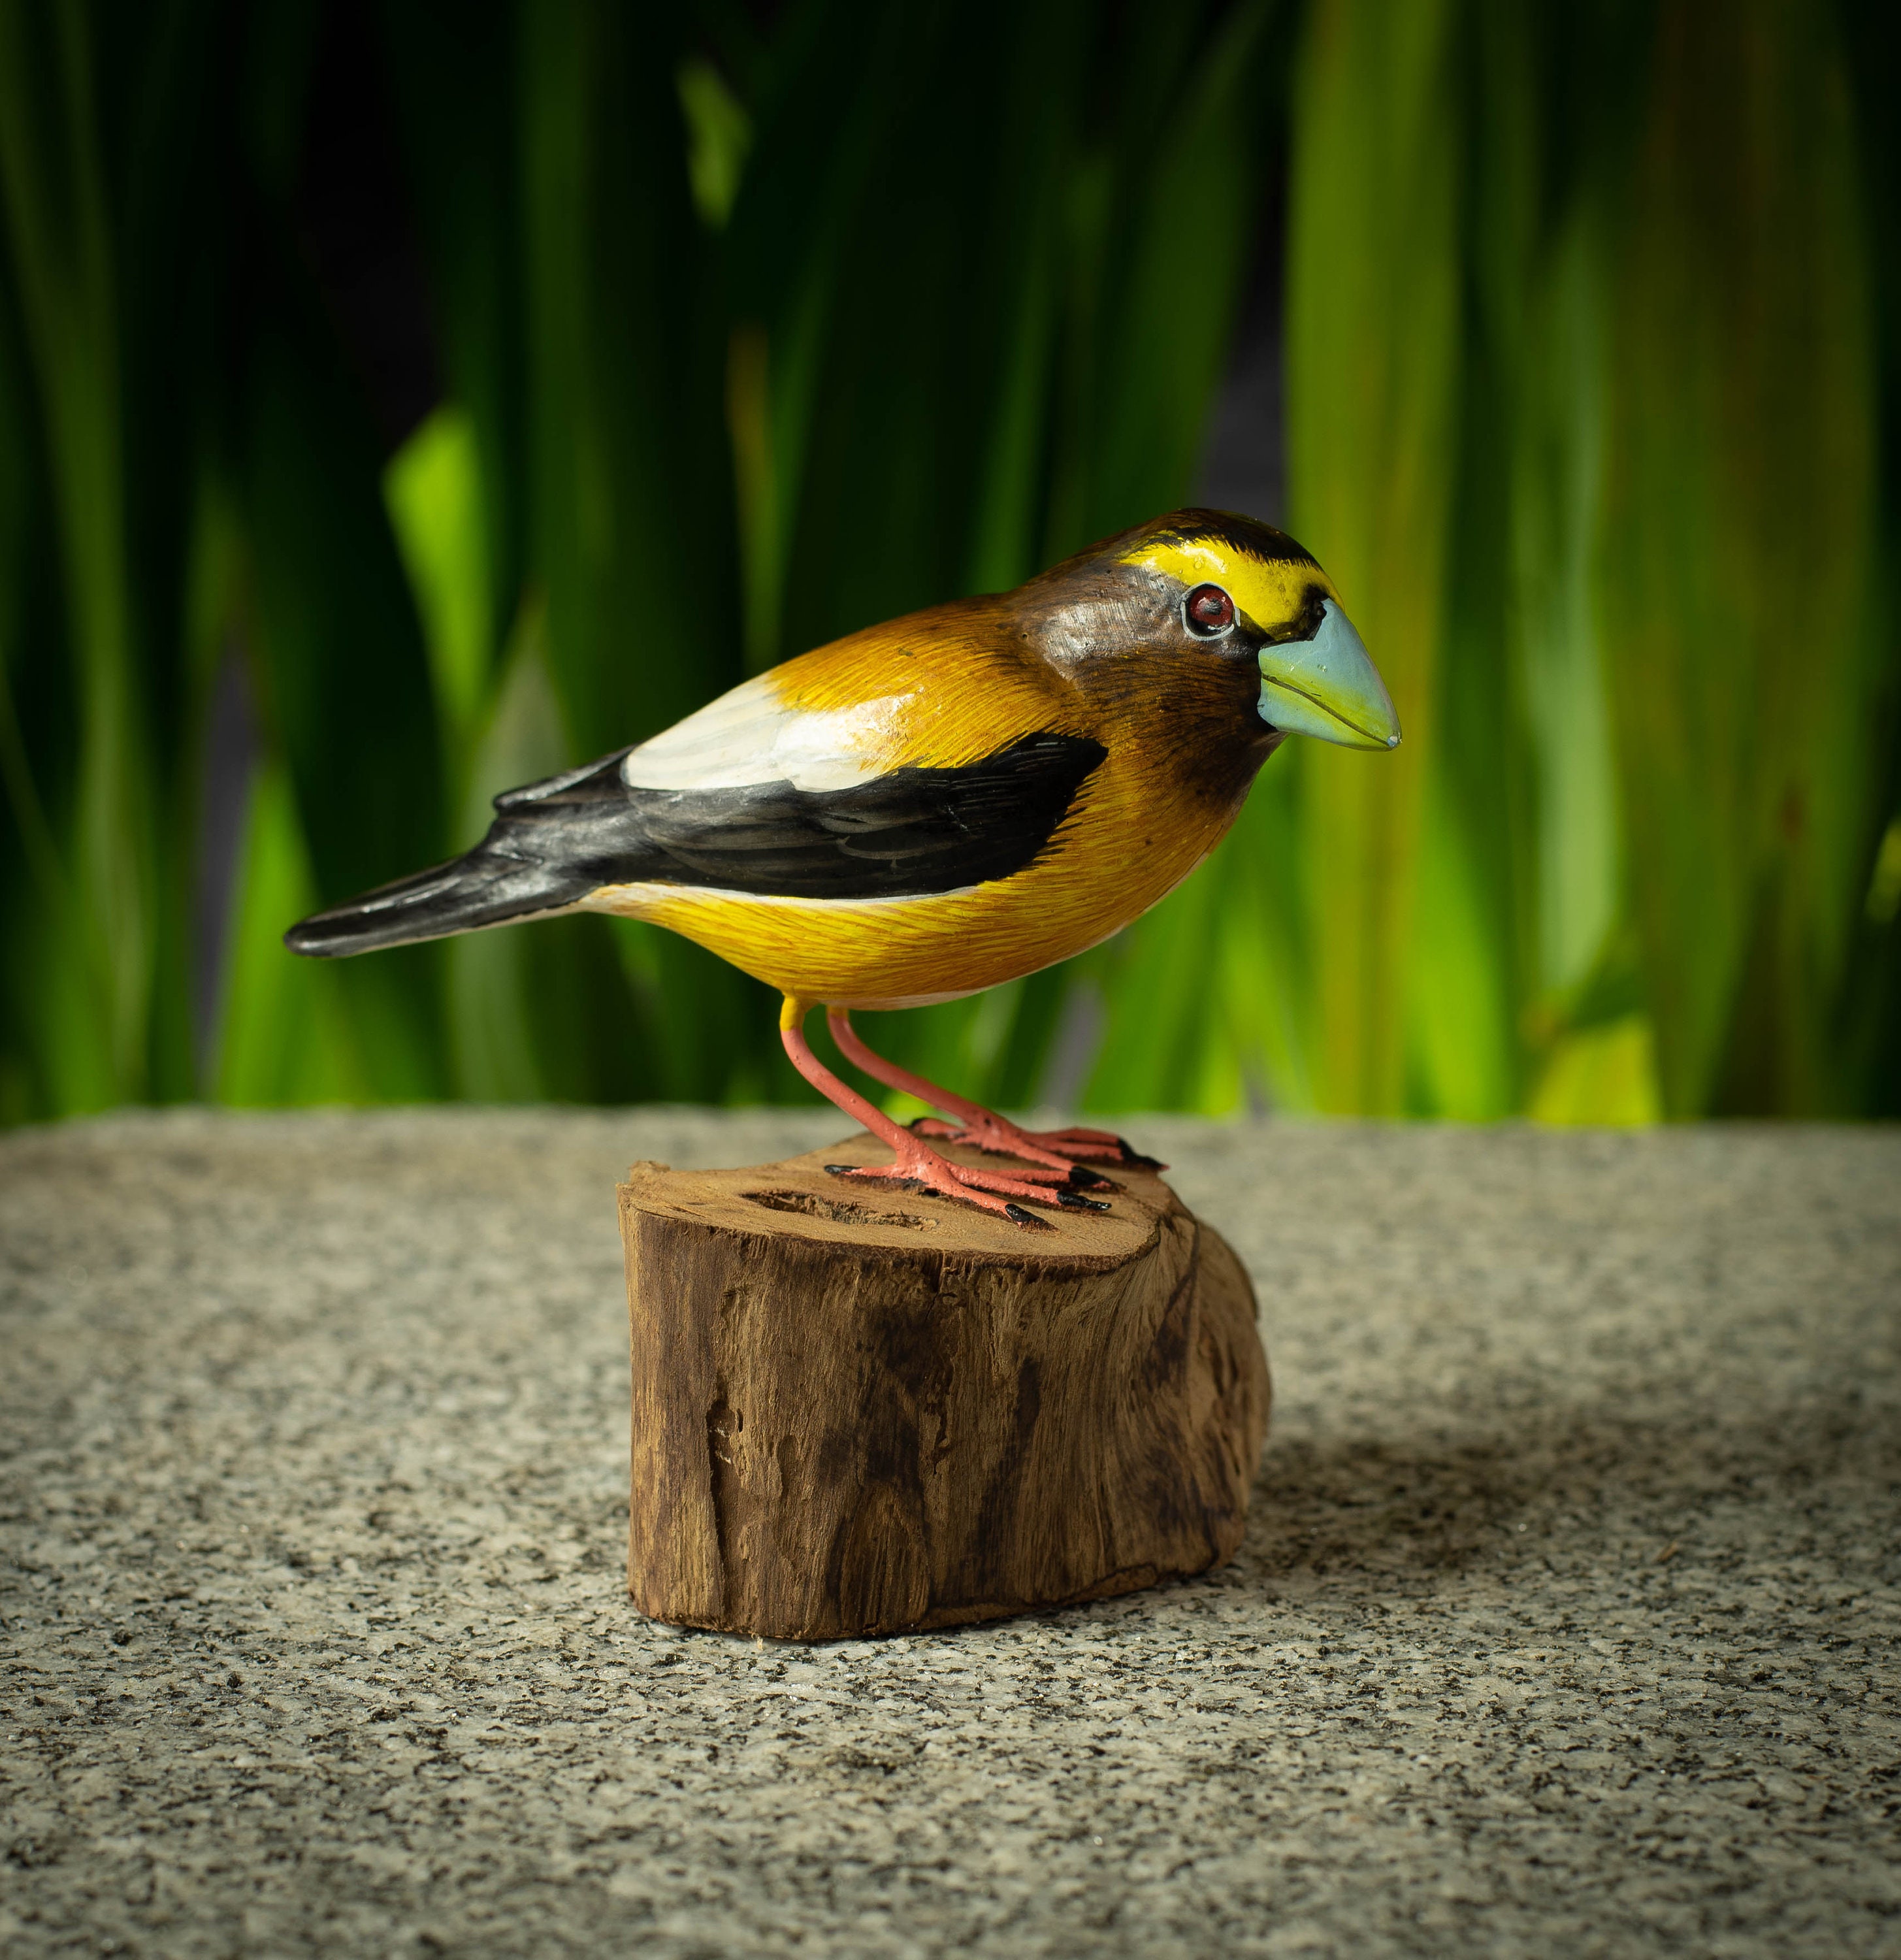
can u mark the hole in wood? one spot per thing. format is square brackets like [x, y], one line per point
[838, 1210]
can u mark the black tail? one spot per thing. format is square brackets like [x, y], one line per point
[481, 889]
[527, 863]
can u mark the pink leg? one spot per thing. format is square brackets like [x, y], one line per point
[916, 1162]
[1061, 1150]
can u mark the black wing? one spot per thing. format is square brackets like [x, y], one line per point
[905, 834]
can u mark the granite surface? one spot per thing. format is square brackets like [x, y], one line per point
[1566, 1623]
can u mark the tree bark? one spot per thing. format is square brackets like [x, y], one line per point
[858, 1409]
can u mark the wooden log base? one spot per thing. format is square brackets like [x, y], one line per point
[859, 1409]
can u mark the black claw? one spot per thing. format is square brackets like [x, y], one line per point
[841, 1170]
[1074, 1200]
[1082, 1179]
[1133, 1158]
[1018, 1216]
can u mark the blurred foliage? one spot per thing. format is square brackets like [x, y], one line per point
[750, 327]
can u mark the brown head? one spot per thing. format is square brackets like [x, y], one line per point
[1215, 627]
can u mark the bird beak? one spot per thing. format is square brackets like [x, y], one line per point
[1328, 686]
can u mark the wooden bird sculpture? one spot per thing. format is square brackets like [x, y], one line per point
[934, 805]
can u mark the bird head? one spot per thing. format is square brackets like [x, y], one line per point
[1209, 585]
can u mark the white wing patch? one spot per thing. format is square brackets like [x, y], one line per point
[751, 736]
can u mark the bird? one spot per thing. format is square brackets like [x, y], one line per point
[936, 805]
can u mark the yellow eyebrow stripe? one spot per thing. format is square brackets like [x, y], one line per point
[1270, 593]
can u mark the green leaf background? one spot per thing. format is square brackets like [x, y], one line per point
[748, 336]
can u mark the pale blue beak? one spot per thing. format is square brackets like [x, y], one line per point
[1328, 686]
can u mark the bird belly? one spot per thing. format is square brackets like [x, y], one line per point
[916, 951]
[858, 953]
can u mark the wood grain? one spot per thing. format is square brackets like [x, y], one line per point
[858, 1409]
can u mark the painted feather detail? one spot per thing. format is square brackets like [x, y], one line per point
[910, 832]
[755, 735]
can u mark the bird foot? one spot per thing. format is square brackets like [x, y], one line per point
[919, 1168]
[1068, 1150]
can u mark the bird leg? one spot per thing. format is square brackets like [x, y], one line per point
[1067, 1151]
[916, 1164]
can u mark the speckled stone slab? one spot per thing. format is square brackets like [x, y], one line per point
[1566, 1623]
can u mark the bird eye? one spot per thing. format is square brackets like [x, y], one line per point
[1209, 611]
